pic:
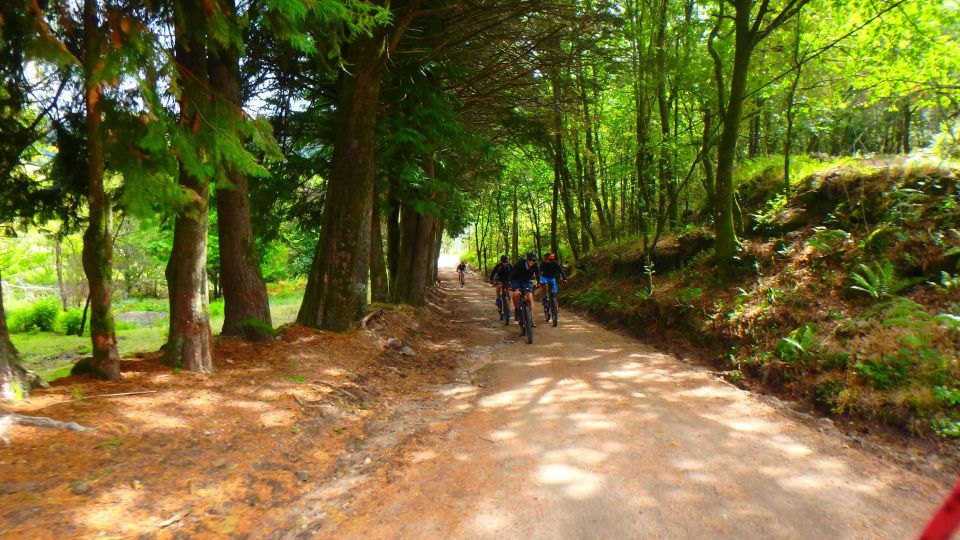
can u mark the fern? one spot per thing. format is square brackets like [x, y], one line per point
[880, 282]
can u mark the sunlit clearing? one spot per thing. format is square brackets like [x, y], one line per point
[577, 483]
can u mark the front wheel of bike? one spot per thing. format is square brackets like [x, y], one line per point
[553, 309]
[528, 318]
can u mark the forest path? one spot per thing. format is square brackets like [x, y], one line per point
[590, 434]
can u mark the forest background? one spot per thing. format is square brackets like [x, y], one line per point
[264, 162]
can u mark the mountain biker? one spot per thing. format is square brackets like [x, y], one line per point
[461, 268]
[501, 275]
[521, 276]
[550, 270]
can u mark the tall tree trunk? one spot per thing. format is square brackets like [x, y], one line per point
[664, 195]
[515, 226]
[378, 270]
[417, 246]
[189, 341]
[589, 175]
[583, 201]
[336, 293]
[435, 253]
[791, 98]
[706, 150]
[97, 240]
[535, 217]
[555, 210]
[58, 252]
[246, 307]
[393, 242]
[14, 382]
[568, 214]
[907, 113]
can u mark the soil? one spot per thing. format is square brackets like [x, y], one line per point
[584, 434]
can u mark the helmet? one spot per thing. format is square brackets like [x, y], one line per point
[551, 256]
[504, 259]
[531, 256]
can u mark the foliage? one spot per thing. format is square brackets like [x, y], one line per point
[827, 241]
[879, 282]
[42, 316]
[799, 343]
[70, 321]
[690, 294]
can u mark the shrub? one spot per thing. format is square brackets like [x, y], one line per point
[880, 281]
[70, 321]
[884, 374]
[828, 241]
[40, 317]
[16, 320]
[689, 294]
[216, 308]
[799, 343]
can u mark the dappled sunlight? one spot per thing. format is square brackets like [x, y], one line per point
[560, 402]
[575, 482]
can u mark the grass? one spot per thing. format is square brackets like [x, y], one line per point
[51, 355]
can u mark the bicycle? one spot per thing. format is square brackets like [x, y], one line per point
[461, 278]
[550, 305]
[526, 316]
[503, 305]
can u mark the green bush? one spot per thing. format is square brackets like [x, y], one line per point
[690, 294]
[884, 374]
[798, 344]
[70, 321]
[16, 320]
[39, 317]
[216, 308]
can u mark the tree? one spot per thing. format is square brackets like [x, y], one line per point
[98, 238]
[749, 30]
[336, 293]
[189, 340]
[246, 307]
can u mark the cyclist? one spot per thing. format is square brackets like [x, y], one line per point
[501, 275]
[550, 271]
[521, 277]
[461, 269]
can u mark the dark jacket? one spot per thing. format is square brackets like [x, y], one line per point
[520, 272]
[552, 270]
[501, 273]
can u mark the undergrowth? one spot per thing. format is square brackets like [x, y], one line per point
[848, 293]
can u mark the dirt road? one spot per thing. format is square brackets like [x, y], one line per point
[589, 434]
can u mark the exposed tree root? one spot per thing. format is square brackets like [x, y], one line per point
[10, 419]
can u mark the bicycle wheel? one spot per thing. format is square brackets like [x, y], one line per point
[553, 308]
[507, 308]
[522, 319]
[528, 318]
